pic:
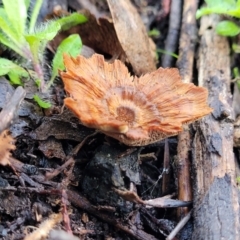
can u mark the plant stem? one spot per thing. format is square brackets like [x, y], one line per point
[38, 69]
[50, 81]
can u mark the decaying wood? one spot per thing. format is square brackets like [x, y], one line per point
[216, 206]
[184, 170]
[129, 228]
[187, 44]
[173, 33]
[188, 39]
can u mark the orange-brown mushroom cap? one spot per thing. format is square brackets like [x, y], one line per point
[136, 111]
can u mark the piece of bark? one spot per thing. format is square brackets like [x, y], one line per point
[216, 201]
[236, 138]
[132, 35]
[236, 100]
[184, 171]
[187, 44]
[188, 39]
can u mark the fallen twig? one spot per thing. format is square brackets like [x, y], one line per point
[10, 109]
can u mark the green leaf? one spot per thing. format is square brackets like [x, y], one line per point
[7, 28]
[227, 28]
[154, 33]
[228, 7]
[236, 48]
[7, 66]
[168, 53]
[221, 3]
[35, 14]
[38, 40]
[14, 78]
[203, 11]
[45, 32]
[41, 102]
[4, 69]
[38, 82]
[17, 14]
[236, 72]
[35, 45]
[71, 20]
[7, 42]
[14, 71]
[238, 180]
[9, 36]
[71, 45]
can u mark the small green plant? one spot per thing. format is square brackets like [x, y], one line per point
[236, 75]
[168, 53]
[29, 42]
[229, 8]
[154, 33]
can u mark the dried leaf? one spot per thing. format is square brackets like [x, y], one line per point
[132, 35]
[52, 148]
[6, 145]
[98, 34]
[166, 203]
[129, 196]
[136, 111]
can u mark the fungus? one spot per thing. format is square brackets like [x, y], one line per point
[135, 110]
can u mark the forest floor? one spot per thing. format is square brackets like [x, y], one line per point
[64, 180]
